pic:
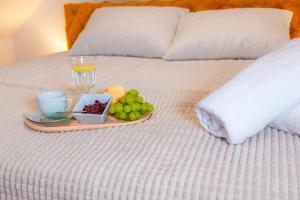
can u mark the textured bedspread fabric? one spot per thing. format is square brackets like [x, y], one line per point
[54, 72]
[168, 157]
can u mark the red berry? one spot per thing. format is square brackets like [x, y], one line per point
[96, 108]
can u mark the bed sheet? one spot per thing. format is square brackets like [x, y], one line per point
[168, 157]
[54, 71]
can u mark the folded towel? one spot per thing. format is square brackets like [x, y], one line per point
[288, 121]
[255, 97]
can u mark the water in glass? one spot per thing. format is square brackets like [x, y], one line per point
[84, 72]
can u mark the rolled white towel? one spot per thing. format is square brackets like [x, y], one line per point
[255, 97]
[288, 121]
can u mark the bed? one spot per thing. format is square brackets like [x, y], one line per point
[169, 156]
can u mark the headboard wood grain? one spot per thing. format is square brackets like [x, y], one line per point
[77, 15]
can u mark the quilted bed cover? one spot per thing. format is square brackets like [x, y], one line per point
[169, 157]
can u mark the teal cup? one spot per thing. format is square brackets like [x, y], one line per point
[51, 103]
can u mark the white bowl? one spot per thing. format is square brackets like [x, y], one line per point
[90, 99]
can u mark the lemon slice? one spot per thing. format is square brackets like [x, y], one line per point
[79, 68]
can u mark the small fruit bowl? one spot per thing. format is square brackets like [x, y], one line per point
[92, 108]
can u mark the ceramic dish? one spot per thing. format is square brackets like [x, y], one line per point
[87, 99]
[38, 117]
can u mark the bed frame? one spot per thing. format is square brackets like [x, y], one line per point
[77, 15]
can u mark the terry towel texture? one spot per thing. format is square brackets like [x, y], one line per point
[289, 121]
[258, 95]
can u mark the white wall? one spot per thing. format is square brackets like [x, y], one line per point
[13, 14]
[7, 54]
[44, 32]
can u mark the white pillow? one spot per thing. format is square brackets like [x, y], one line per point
[230, 33]
[129, 31]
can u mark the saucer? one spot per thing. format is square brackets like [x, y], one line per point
[38, 117]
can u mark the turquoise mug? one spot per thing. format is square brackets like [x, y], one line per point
[50, 103]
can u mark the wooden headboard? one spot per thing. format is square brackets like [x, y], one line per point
[77, 15]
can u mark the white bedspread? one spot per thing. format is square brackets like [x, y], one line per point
[153, 74]
[168, 157]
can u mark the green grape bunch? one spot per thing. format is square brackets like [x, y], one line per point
[131, 107]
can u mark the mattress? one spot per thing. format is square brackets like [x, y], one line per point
[169, 157]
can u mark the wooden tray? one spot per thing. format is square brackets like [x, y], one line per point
[74, 125]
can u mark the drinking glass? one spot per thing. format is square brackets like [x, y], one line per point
[84, 72]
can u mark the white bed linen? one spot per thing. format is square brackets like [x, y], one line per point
[230, 33]
[168, 157]
[142, 31]
[54, 72]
